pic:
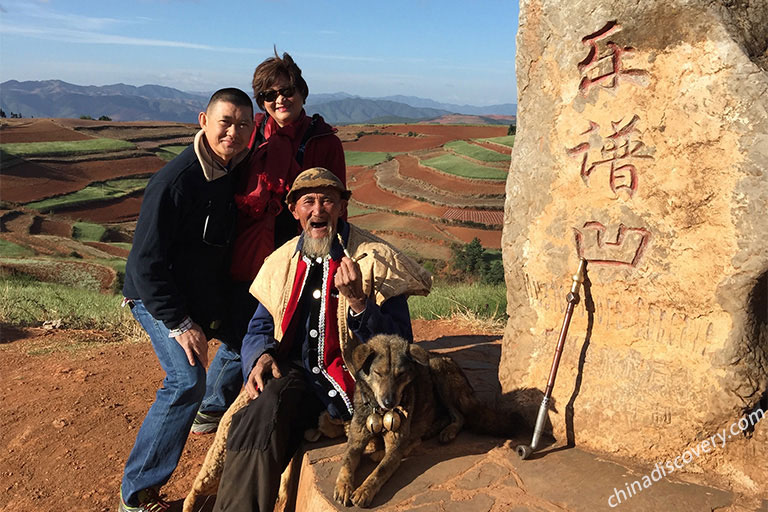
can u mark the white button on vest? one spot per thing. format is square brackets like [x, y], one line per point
[313, 333]
[316, 294]
[332, 393]
[316, 370]
[319, 259]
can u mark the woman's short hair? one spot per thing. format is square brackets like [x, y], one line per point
[268, 72]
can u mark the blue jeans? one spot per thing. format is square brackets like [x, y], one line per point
[225, 378]
[225, 373]
[164, 432]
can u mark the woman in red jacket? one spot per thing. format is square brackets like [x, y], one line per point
[285, 142]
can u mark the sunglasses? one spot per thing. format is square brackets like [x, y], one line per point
[271, 95]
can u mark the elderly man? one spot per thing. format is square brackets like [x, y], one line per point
[176, 282]
[320, 295]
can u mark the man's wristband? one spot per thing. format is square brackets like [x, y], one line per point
[180, 329]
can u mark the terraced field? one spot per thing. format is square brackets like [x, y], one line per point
[421, 186]
[449, 178]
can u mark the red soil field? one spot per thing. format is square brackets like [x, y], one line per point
[125, 209]
[418, 247]
[395, 143]
[384, 221]
[29, 181]
[41, 226]
[467, 119]
[39, 244]
[16, 221]
[410, 167]
[453, 132]
[488, 239]
[490, 217]
[109, 249]
[103, 170]
[94, 123]
[417, 231]
[365, 191]
[431, 136]
[36, 130]
[355, 173]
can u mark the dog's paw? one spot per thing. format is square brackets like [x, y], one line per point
[449, 433]
[362, 497]
[342, 493]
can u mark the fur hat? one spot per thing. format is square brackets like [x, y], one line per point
[316, 177]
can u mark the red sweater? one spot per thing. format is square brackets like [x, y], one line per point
[269, 174]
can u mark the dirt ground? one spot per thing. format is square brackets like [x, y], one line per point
[72, 404]
[32, 181]
[36, 130]
[410, 167]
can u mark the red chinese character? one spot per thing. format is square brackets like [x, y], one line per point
[606, 69]
[617, 151]
[597, 248]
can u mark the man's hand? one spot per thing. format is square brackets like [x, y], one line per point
[349, 282]
[194, 344]
[265, 367]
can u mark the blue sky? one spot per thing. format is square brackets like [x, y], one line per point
[447, 50]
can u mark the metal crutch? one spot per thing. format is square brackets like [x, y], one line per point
[524, 451]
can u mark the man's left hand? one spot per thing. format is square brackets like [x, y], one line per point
[349, 282]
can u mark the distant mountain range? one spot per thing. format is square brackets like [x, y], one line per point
[120, 102]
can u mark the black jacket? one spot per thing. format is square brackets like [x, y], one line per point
[172, 267]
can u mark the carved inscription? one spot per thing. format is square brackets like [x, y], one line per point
[604, 64]
[625, 250]
[617, 153]
[634, 316]
[662, 417]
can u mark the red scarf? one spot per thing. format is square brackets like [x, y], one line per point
[259, 196]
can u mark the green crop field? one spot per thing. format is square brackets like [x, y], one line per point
[112, 189]
[67, 272]
[88, 231]
[507, 140]
[64, 148]
[458, 166]
[168, 153]
[11, 250]
[354, 210]
[477, 152]
[366, 158]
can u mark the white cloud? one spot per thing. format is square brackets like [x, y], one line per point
[35, 11]
[86, 37]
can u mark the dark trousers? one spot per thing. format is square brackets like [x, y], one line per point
[262, 439]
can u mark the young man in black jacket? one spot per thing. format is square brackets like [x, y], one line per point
[176, 282]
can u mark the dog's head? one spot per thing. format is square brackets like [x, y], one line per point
[387, 364]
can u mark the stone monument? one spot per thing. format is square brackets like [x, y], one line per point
[642, 146]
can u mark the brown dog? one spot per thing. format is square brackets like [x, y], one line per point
[406, 394]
